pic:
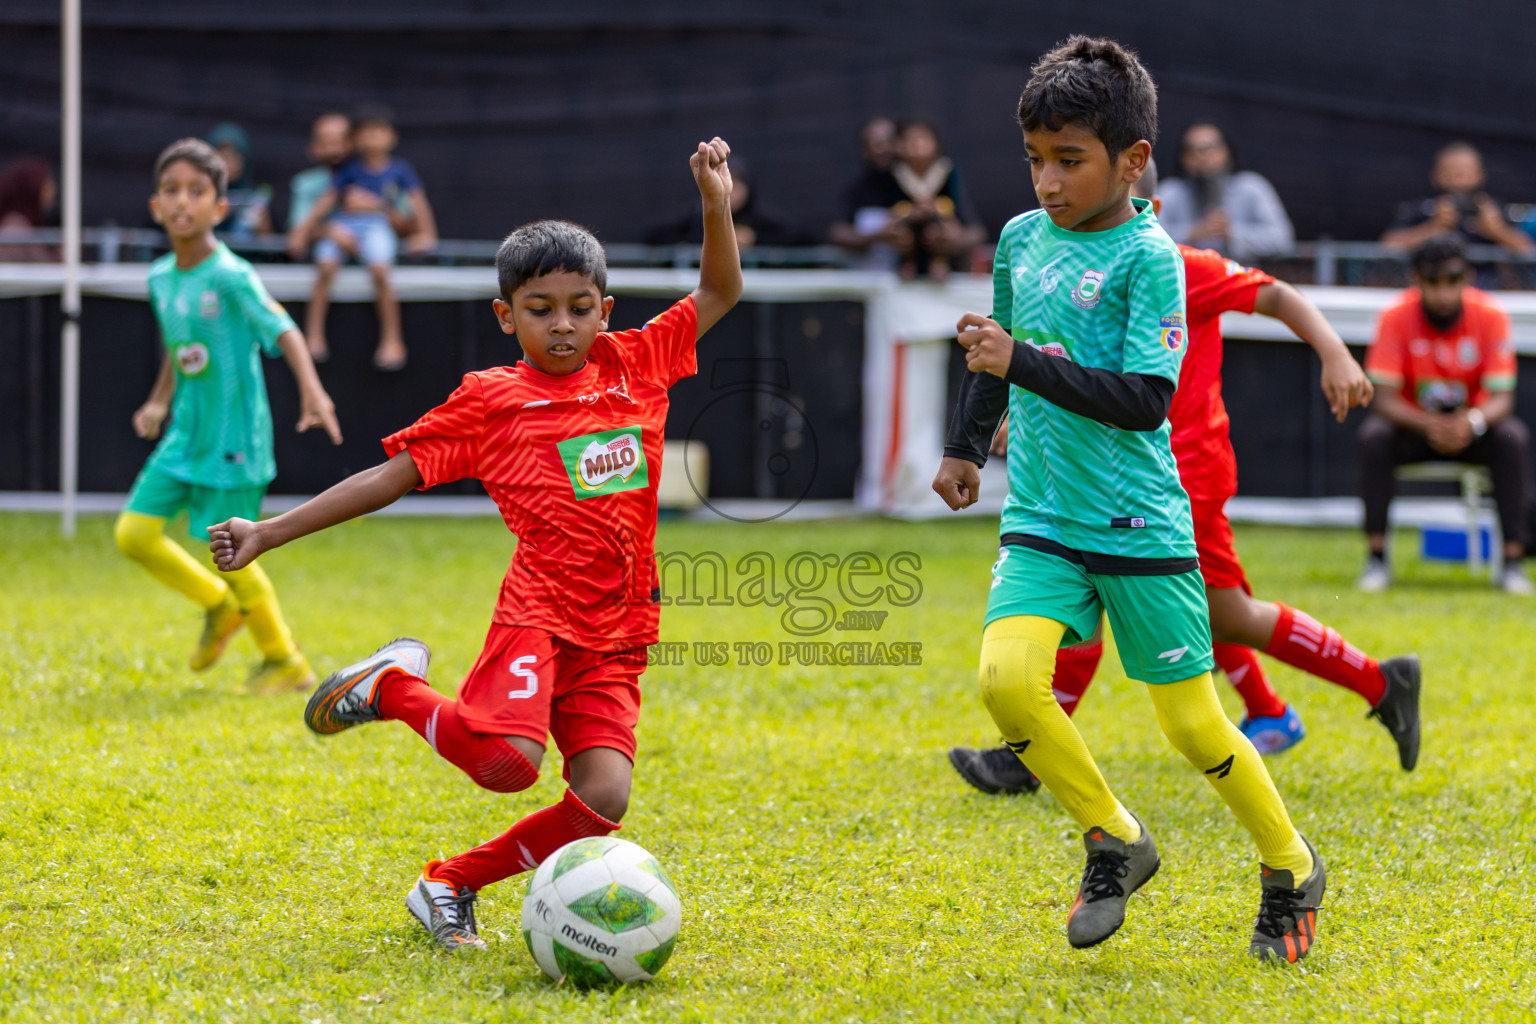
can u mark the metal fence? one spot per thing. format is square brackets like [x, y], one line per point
[1323, 262]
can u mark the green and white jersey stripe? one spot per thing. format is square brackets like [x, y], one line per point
[1111, 300]
[215, 320]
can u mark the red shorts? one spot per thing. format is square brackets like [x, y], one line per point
[1219, 566]
[530, 683]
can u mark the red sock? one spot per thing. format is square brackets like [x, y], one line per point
[490, 760]
[1241, 664]
[1075, 667]
[1302, 641]
[525, 845]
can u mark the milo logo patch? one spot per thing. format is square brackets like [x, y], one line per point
[605, 462]
[1051, 344]
[192, 359]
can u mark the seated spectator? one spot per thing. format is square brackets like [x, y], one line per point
[27, 193]
[935, 221]
[1216, 206]
[330, 146]
[867, 225]
[754, 224]
[1459, 206]
[1445, 390]
[250, 204]
[364, 188]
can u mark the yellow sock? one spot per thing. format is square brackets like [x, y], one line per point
[142, 538]
[1192, 719]
[263, 616]
[1018, 664]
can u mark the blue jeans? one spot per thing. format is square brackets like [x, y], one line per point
[376, 242]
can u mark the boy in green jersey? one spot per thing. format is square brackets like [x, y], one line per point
[1088, 324]
[215, 460]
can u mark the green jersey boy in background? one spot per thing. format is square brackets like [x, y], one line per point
[215, 460]
[1088, 325]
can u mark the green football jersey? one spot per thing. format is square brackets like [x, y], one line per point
[1112, 300]
[215, 320]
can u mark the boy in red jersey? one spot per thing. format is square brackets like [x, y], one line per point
[568, 443]
[1240, 623]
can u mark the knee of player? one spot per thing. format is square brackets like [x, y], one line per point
[135, 533]
[608, 796]
[1193, 727]
[1182, 733]
[502, 782]
[1007, 682]
[992, 679]
[507, 764]
[1233, 625]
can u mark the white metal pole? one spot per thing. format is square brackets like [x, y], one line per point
[69, 407]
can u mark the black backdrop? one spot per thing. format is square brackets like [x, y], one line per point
[516, 110]
[777, 398]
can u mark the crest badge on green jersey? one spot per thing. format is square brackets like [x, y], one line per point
[208, 304]
[606, 462]
[1086, 294]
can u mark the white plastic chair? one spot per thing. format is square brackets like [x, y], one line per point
[1476, 499]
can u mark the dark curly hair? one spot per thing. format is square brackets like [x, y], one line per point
[1435, 252]
[1096, 83]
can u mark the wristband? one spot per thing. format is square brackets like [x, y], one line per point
[1477, 421]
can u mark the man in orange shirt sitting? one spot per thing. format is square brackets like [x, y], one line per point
[1444, 371]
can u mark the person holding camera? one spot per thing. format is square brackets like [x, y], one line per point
[1459, 207]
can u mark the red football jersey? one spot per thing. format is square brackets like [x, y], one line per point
[573, 463]
[1443, 370]
[1201, 441]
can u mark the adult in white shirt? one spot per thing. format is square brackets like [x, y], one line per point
[1214, 206]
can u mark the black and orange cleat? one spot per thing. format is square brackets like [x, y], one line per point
[350, 697]
[1115, 869]
[444, 910]
[1287, 925]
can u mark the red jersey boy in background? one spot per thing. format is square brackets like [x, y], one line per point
[568, 443]
[1241, 625]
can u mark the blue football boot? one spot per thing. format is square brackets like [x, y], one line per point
[1272, 735]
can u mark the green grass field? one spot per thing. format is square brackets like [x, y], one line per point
[173, 849]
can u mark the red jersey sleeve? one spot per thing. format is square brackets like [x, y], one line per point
[665, 349]
[445, 443]
[1385, 359]
[1499, 361]
[1215, 285]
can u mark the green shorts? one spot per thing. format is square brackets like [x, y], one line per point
[1162, 624]
[157, 493]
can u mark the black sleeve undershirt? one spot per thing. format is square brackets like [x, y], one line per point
[983, 402]
[1125, 401]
